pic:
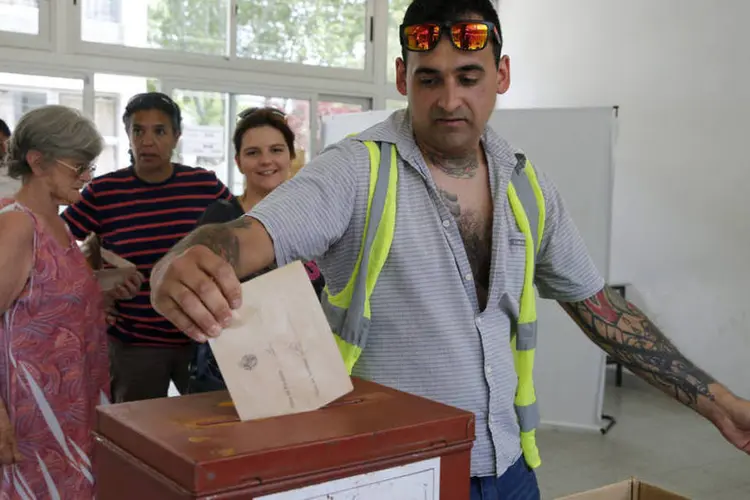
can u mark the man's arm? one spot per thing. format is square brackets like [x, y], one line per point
[629, 337]
[195, 285]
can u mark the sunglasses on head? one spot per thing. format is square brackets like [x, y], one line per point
[249, 111]
[464, 35]
[152, 99]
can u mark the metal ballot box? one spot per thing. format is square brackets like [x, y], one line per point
[374, 443]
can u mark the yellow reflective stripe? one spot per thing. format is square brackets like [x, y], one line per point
[530, 451]
[527, 307]
[524, 363]
[349, 352]
[534, 181]
[381, 246]
[344, 298]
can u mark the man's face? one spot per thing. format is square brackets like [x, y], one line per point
[451, 94]
[152, 139]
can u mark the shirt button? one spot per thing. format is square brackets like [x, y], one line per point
[446, 222]
[478, 320]
[488, 370]
[468, 276]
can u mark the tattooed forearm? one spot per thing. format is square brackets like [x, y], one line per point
[626, 334]
[219, 238]
[460, 168]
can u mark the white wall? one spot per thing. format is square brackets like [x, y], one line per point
[680, 72]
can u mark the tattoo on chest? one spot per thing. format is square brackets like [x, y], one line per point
[459, 168]
[476, 233]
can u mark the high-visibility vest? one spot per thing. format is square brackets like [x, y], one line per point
[348, 311]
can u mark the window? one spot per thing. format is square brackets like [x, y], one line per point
[19, 16]
[204, 139]
[320, 33]
[196, 26]
[396, 11]
[327, 33]
[19, 94]
[337, 107]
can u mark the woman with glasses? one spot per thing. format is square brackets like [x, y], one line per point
[264, 150]
[54, 369]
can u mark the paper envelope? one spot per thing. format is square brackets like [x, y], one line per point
[279, 355]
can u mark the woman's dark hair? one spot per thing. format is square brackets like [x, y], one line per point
[262, 117]
[153, 100]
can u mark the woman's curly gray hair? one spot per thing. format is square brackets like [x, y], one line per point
[55, 131]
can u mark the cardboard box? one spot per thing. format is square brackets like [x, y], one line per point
[632, 489]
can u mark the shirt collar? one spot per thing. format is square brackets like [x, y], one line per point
[397, 129]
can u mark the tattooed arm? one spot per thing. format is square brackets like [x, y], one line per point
[195, 285]
[629, 337]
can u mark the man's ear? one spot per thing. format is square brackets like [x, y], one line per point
[503, 75]
[401, 76]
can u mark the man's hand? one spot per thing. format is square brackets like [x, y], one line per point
[124, 291]
[630, 338]
[196, 290]
[731, 415]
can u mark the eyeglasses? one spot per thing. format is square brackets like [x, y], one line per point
[249, 111]
[464, 35]
[79, 170]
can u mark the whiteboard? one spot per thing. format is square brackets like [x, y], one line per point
[575, 148]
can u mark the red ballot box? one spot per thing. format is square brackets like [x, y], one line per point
[375, 442]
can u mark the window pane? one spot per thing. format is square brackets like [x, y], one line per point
[328, 108]
[315, 32]
[19, 94]
[197, 26]
[204, 141]
[298, 117]
[19, 16]
[112, 94]
[396, 10]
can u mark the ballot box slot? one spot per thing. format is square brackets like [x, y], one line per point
[232, 420]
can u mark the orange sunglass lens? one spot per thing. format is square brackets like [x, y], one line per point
[422, 36]
[470, 36]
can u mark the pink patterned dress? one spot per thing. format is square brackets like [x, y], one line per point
[54, 371]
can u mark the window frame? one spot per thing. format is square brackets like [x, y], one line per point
[232, 61]
[48, 10]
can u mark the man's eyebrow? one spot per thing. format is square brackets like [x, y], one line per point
[470, 67]
[424, 70]
[466, 68]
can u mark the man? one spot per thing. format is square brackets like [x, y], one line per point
[444, 305]
[140, 212]
[4, 136]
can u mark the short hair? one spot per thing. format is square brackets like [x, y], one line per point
[55, 131]
[260, 117]
[4, 128]
[446, 11]
[153, 100]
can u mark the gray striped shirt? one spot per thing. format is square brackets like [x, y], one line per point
[428, 336]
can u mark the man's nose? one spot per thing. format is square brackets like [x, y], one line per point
[450, 96]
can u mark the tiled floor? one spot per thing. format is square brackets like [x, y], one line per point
[655, 439]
